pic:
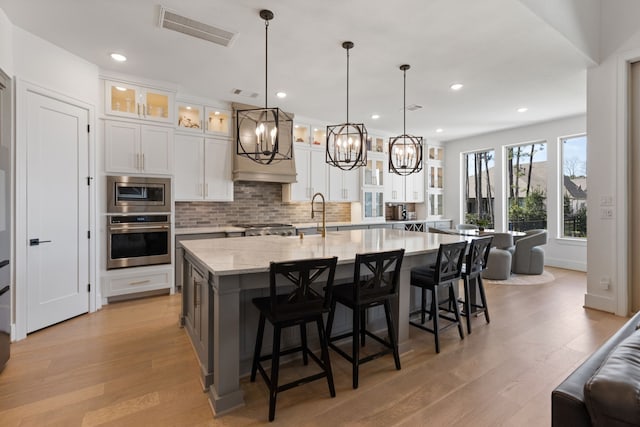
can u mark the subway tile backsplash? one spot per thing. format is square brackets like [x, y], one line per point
[254, 202]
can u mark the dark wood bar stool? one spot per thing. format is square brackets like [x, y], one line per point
[375, 283]
[444, 273]
[310, 283]
[476, 262]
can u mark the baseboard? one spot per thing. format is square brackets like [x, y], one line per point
[599, 303]
[564, 263]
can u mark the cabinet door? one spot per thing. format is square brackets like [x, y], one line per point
[121, 99]
[157, 105]
[189, 116]
[317, 172]
[218, 165]
[189, 168]
[414, 187]
[218, 121]
[336, 191]
[300, 191]
[122, 147]
[351, 185]
[156, 149]
[394, 188]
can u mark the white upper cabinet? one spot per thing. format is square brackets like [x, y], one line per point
[198, 118]
[344, 186]
[134, 148]
[218, 122]
[203, 169]
[414, 187]
[138, 102]
[311, 171]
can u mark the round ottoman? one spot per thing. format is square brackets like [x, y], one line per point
[498, 265]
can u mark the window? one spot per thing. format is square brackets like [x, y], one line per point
[574, 186]
[527, 186]
[479, 188]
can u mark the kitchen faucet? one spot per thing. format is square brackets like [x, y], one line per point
[323, 231]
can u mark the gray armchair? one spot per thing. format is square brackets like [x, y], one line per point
[528, 257]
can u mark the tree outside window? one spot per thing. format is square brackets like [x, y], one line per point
[479, 191]
[574, 187]
[527, 186]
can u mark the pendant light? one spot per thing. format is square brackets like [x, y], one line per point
[346, 142]
[405, 151]
[264, 135]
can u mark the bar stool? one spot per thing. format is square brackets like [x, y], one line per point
[307, 300]
[375, 282]
[444, 273]
[476, 262]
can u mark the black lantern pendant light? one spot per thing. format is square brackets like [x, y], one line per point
[346, 142]
[405, 151]
[264, 135]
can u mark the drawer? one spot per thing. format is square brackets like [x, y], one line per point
[134, 282]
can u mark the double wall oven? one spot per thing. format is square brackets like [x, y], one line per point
[138, 221]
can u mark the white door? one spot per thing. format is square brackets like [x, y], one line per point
[57, 211]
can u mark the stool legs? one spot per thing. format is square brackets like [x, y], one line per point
[355, 347]
[324, 346]
[467, 300]
[258, 348]
[392, 334]
[275, 368]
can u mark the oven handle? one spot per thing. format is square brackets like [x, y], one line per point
[138, 227]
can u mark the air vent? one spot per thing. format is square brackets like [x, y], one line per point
[172, 21]
[413, 107]
[244, 93]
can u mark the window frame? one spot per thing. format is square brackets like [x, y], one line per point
[560, 232]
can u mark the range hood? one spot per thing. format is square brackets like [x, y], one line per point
[283, 171]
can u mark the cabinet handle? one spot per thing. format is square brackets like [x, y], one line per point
[144, 110]
[138, 161]
[206, 189]
[139, 282]
[138, 106]
[142, 161]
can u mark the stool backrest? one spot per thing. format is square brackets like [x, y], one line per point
[308, 283]
[478, 254]
[449, 261]
[377, 274]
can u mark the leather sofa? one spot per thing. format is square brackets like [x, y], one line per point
[605, 389]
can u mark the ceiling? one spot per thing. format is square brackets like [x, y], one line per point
[504, 54]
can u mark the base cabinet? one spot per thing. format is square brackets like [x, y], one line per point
[197, 298]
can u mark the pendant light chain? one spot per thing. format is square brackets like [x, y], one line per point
[347, 85]
[266, 57]
[404, 104]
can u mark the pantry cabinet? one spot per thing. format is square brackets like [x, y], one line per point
[203, 168]
[132, 148]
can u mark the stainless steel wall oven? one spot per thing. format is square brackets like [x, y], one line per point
[138, 240]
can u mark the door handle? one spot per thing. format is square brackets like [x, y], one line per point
[36, 242]
[4, 263]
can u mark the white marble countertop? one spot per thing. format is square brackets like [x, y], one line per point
[208, 230]
[241, 255]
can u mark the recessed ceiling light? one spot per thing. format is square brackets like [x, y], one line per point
[216, 113]
[281, 94]
[121, 89]
[315, 129]
[118, 57]
[188, 107]
[522, 110]
[375, 116]
[456, 86]
[296, 126]
[439, 130]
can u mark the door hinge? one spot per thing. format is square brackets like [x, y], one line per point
[89, 178]
[88, 287]
[88, 128]
[88, 234]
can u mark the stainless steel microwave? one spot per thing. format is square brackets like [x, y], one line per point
[130, 194]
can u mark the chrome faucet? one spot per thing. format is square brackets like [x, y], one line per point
[322, 230]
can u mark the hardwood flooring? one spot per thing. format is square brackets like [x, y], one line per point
[130, 364]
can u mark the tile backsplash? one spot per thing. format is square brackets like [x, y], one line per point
[253, 202]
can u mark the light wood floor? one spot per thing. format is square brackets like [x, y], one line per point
[131, 365]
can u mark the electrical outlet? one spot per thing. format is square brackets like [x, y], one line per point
[606, 213]
[606, 200]
[605, 282]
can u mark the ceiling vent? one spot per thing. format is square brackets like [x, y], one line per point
[191, 27]
[245, 93]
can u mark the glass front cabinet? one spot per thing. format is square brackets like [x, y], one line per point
[138, 102]
[373, 187]
[435, 181]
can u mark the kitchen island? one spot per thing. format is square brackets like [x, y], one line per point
[221, 277]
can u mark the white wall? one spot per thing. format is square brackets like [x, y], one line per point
[6, 42]
[45, 64]
[607, 167]
[566, 253]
